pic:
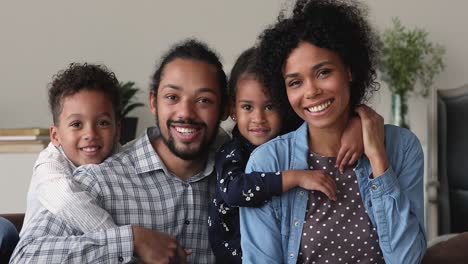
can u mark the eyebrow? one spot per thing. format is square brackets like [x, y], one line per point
[251, 101]
[313, 68]
[199, 90]
[74, 116]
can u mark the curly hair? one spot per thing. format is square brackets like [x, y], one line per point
[336, 25]
[195, 50]
[78, 77]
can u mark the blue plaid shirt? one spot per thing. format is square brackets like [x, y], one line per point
[135, 187]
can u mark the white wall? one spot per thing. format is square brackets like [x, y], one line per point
[40, 37]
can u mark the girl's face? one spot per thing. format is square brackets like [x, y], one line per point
[257, 117]
[317, 84]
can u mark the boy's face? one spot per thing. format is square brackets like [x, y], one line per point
[258, 118]
[86, 128]
[187, 107]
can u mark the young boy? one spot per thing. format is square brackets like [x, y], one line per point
[85, 103]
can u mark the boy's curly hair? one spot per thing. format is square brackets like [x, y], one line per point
[336, 25]
[78, 77]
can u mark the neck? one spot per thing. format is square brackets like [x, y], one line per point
[327, 141]
[181, 168]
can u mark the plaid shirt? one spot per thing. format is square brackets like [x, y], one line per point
[135, 187]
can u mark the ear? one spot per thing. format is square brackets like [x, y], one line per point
[233, 114]
[54, 136]
[152, 102]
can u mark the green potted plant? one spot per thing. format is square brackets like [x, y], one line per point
[408, 59]
[128, 91]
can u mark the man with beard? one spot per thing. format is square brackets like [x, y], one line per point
[158, 188]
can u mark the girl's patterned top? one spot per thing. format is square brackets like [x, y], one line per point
[236, 188]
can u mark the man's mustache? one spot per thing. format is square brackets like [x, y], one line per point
[185, 122]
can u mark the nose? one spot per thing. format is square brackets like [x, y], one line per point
[90, 132]
[258, 116]
[186, 109]
[312, 89]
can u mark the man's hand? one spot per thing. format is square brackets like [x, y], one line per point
[156, 247]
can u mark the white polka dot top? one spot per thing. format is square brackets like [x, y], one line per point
[338, 231]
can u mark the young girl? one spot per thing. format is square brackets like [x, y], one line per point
[259, 118]
[322, 61]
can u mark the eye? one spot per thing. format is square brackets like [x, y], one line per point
[204, 100]
[246, 107]
[75, 124]
[323, 73]
[270, 107]
[104, 123]
[171, 97]
[294, 83]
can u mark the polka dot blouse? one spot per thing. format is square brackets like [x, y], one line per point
[338, 231]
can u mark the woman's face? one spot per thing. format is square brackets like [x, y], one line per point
[317, 84]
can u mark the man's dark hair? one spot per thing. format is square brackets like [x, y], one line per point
[336, 25]
[78, 77]
[194, 50]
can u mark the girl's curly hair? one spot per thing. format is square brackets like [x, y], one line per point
[336, 25]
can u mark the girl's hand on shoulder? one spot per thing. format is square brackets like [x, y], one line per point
[352, 145]
[373, 138]
[317, 180]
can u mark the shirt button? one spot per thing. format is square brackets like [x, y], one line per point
[291, 255]
[296, 223]
[120, 259]
[374, 187]
[187, 222]
[301, 193]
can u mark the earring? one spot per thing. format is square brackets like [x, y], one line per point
[233, 118]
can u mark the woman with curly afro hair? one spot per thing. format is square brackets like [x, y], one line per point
[321, 62]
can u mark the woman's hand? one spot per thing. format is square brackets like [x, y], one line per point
[373, 138]
[352, 145]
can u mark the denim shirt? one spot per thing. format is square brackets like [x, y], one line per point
[394, 200]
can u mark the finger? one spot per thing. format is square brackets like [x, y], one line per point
[353, 159]
[362, 111]
[345, 161]
[176, 258]
[328, 187]
[182, 255]
[341, 154]
[327, 191]
[188, 251]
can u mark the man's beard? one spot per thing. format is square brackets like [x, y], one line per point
[189, 154]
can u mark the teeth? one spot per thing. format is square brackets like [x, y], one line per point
[185, 130]
[319, 108]
[90, 149]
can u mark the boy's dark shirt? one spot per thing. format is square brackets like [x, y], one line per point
[235, 188]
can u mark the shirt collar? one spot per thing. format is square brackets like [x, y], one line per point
[146, 159]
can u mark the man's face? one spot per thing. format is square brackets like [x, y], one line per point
[187, 107]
